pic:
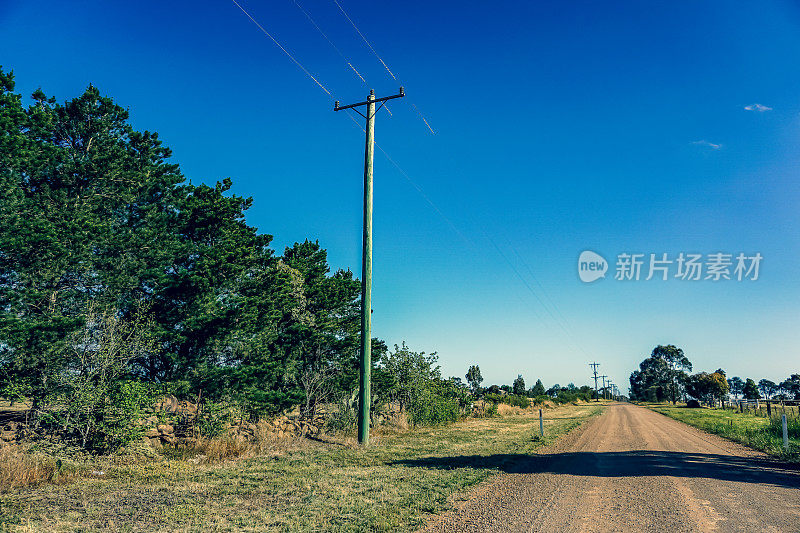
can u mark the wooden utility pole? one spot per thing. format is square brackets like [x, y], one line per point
[364, 389]
[604, 386]
[594, 371]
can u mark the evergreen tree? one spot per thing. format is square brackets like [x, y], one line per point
[538, 389]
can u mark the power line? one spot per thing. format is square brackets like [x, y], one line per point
[565, 325]
[372, 48]
[397, 166]
[336, 48]
[285, 51]
[365, 40]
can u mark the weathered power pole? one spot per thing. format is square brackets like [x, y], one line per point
[604, 386]
[364, 390]
[594, 369]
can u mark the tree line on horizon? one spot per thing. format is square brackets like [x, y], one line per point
[665, 376]
[570, 393]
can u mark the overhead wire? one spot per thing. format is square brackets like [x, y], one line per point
[375, 52]
[365, 40]
[285, 51]
[415, 185]
[336, 48]
[314, 23]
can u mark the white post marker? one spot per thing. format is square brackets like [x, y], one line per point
[785, 433]
[541, 424]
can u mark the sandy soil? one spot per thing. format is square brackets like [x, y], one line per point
[632, 469]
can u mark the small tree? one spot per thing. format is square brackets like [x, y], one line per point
[736, 385]
[518, 387]
[474, 378]
[750, 390]
[538, 389]
[411, 371]
[791, 386]
[91, 401]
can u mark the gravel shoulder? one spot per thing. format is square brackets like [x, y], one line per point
[632, 469]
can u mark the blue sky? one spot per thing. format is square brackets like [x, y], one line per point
[560, 127]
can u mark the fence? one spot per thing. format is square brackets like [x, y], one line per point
[765, 408]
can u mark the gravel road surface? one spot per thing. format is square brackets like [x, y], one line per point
[632, 469]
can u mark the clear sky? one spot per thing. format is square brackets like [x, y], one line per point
[560, 127]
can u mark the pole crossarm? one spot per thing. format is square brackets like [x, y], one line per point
[337, 107]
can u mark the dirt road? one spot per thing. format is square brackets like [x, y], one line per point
[632, 469]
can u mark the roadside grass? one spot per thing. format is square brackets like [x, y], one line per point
[308, 486]
[757, 432]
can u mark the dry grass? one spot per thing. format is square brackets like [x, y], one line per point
[294, 484]
[19, 469]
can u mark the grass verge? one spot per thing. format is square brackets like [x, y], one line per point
[757, 432]
[390, 485]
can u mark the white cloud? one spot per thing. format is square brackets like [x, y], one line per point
[711, 145]
[757, 107]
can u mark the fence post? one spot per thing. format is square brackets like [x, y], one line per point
[785, 433]
[769, 410]
[541, 424]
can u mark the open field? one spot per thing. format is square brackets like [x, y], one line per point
[755, 431]
[306, 486]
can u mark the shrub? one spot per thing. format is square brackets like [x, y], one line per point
[517, 400]
[213, 416]
[343, 420]
[431, 407]
[514, 400]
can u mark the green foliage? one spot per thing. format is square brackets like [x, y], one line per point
[736, 386]
[434, 404]
[790, 388]
[661, 376]
[754, 431]
[538, 389]
[414, 382]
[94, 216]
[768, 388]
[91, 400]
[410, 373]
[343, 420]
[750, 390]
[708, 387]
[518, 387]
[565, 396]
[213, 416]
[474, 378]
[516, 400]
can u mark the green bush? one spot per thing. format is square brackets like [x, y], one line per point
[515, 400]
[432, 405]
[539, 400]
[343, 420]
[433, 410]
[213, 416]
[128, 401]
[571, 397]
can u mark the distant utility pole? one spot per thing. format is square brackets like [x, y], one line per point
[594, 371]
[364, 392]
[604, 386]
